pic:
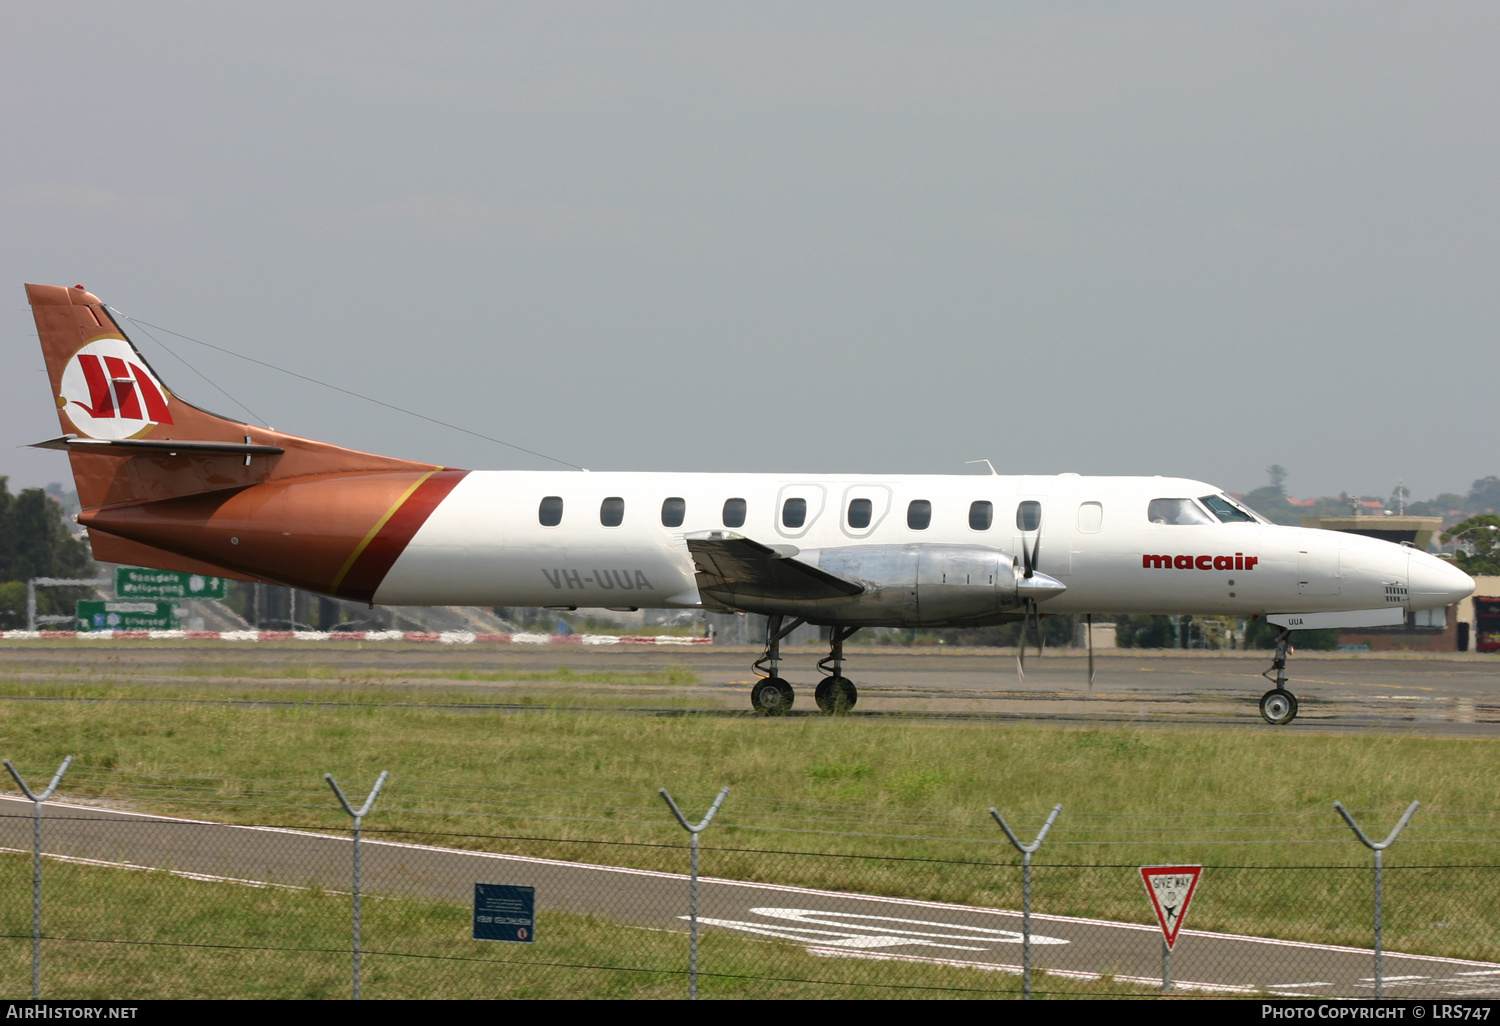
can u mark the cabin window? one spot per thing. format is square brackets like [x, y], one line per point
[1029, 515]
[734, 512]
[612, 511]
[673, 511]
[1176, 511]
[1225, 510]
[860, 512]
[919, 515]
[1090, 517]
[981, 515]
[549, 513]
[794, 513]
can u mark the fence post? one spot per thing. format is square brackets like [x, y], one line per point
[36, 868]
[358, 819]
[1377, 848]
[693, 832]
[1026, 850]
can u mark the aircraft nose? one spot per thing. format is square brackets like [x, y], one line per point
[1435, 582]
[1039, 587]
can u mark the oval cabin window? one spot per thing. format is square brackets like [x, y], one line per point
[981, 515]
[1029, 515]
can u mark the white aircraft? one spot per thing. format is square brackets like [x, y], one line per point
[165, 484]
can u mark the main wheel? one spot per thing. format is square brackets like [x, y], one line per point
[1278, 706]
[772, 696]
[836, 694]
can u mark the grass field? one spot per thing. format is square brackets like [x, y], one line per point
[228, 940]
[844, 803]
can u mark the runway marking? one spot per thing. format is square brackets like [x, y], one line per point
[1016, 970]
[201, 877]
[903, 934]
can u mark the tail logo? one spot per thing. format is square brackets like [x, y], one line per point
[107, 392]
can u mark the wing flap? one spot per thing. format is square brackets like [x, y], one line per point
[730, 566]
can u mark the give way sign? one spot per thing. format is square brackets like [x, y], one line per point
[1171, 890]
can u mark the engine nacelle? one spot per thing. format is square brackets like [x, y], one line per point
[925, 585]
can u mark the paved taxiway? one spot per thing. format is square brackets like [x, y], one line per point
[1450, 696]
[825, 923]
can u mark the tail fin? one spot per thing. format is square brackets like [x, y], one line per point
[165, 484]
[131, 439]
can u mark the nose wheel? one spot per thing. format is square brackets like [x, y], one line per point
[1278, 706]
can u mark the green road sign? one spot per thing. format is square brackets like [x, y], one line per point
[133, 582]
[126, 616]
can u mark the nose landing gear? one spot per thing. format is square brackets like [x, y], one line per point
[1279, 706]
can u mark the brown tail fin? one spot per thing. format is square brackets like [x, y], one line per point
[131, 439]
[166, 484]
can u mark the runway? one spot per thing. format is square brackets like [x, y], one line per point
[824, 923]
[1445, 696]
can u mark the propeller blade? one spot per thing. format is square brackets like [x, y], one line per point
[1090, 632]
[1021, 646]
[1036, 548]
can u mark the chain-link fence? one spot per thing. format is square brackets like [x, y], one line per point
[155, 905]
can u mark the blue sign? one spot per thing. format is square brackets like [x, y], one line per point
[504, 913]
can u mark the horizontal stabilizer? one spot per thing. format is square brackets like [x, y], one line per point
[146, 446]
[731, 567]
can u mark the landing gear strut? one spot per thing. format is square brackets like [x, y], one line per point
[1279, 706]
[836, 693]
[772, 695]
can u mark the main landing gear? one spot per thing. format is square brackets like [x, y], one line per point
[836, 693]
[773, 696]
[1279, 706]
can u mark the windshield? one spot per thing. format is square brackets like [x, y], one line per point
[1227, 510]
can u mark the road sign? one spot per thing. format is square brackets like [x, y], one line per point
[504, 913]
[134, 582]
[1170, 889]
[126, 616]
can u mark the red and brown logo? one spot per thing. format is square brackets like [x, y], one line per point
[107, 392]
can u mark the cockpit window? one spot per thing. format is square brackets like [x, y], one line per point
[1176, 511]
[1226, 510]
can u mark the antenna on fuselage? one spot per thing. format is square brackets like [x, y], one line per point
[987, 463]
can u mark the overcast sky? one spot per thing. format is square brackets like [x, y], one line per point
[1179, 238]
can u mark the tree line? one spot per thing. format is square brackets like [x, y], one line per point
[35, 542]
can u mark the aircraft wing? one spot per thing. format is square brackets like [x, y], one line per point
[730, 566]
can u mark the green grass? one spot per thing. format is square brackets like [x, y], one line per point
[854, 796]
[228, 940]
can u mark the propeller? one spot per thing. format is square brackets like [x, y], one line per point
[1034, 587]
[1090, 632]
[1028, 604]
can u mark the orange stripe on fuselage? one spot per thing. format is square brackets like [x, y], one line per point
[374, 556]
